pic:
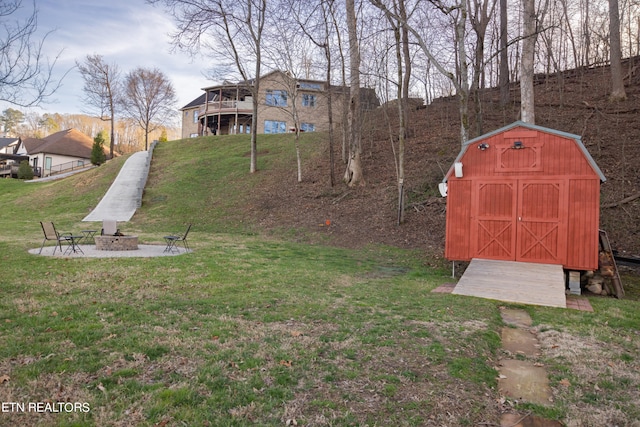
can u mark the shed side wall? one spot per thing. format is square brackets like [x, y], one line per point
[457, 246]
[583, 223]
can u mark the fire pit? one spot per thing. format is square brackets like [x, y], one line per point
[116, 243]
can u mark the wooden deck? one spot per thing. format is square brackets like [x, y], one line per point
[519, 282]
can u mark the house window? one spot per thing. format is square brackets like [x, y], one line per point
[195, 116]
[308, 127]
[272, 126]
[308, 100]
[277, 98]
[307, 85]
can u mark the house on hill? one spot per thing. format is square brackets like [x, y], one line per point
[60, 152]
[228, 108]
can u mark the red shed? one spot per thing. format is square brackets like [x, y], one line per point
[524, 193]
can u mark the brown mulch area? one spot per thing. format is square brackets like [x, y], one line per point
[574, 102]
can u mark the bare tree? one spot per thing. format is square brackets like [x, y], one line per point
[148, 98]
[25, 73]
[102, 90]
[459, 79]
[232, 30]
[480, 16]
[504, 55]
[617, 83]
[527, 100]
[403, 72]
[353, 175]
[315, 23]
[287, 50]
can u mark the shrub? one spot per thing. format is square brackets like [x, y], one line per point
[98, 156]
[25, 171]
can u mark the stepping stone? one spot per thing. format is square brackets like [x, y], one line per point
[516, 317]
[519, 341]
[523, 380]
[528, 420]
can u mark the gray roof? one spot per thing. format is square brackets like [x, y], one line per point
[5, 142]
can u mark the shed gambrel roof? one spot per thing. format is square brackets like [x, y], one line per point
[576, 138]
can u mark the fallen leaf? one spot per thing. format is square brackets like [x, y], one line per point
[286, 363]
[565, 382]
[101, 388]
[296, 333]
[4, 379]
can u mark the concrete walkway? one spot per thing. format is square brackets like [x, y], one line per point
[90, 251]
[124, 196]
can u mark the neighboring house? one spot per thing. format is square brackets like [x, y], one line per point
[60, 152]
[228, 108]
[8, 156]
[8, 145]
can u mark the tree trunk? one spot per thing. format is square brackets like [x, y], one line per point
[298, 158]
[480, 18]
[504, 56]
[617, 83]
[463, 91]
[527, 99]
[353, 174]
[327, 54]
[403, 105]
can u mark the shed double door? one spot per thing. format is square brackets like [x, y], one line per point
[519, 220]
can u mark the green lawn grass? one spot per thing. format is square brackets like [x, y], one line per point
[256, 330]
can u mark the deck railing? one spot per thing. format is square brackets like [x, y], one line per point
[12, 171]
[68, 167]
[214, 106]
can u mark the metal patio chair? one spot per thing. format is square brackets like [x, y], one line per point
[172, 241]
[50, 233]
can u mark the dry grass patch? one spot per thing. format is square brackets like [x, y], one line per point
[599, 380]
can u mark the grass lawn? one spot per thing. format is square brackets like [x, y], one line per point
[257, 330]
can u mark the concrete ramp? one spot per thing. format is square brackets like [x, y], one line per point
[124, 196]
[517, 282]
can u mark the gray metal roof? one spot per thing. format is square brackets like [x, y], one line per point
[577, 139]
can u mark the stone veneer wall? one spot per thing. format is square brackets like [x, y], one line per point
[116, 243]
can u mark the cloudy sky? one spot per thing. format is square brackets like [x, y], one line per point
[129, 33]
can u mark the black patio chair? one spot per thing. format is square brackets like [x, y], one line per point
[172, 241]
[50, 233]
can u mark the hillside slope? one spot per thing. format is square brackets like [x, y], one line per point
[574, 101]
